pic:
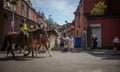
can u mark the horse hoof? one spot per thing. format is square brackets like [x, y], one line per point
[13, 57]
[50, 55]
[7, 55]
[33, 56]
[25, 55]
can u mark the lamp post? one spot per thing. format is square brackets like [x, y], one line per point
[85, 32]
[14, 3]
[13, 19]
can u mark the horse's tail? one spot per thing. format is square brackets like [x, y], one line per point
[4, 46]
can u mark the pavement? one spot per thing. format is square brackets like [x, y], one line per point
[77, 61]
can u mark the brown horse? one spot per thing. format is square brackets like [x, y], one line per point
[49, 42]
[14, 38]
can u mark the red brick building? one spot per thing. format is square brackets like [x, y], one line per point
[105, 26]
[69, 29]
[23, 10]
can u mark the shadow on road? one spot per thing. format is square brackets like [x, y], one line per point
[105, 55]
[65, 50]
[19, 58]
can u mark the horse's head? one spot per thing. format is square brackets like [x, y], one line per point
[36, 33]
[53, 32]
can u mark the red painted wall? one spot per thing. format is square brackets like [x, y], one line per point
[109, 29]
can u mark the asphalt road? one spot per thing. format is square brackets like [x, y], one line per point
[83, 61]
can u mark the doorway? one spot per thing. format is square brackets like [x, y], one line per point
[96, 30]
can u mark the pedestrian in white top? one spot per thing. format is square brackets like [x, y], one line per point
[116, 42]
[71, 43]
[66, 41]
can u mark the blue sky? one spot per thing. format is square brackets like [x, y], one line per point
[60, 10]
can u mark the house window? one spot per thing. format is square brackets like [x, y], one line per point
[35, 18]
[6, 4]
[29, 14]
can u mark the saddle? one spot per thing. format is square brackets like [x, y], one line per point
[23, 36]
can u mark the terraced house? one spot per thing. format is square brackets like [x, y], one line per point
[91, 18]
[11, 16]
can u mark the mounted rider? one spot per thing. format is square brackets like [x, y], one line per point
[24, 29]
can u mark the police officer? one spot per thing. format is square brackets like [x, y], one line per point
[24, 28]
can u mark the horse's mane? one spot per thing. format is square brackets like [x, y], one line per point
[36, 32]
[51, 31]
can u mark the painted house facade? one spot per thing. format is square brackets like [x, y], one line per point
[105, 26]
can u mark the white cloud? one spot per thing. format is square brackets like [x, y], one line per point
[62, 6]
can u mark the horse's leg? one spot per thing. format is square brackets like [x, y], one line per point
[29, 50]
[36, 49]
[48, 50]
[13, 55]
[20, 49]
[10, 50]
[33, 52]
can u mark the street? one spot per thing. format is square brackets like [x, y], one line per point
[81, 61]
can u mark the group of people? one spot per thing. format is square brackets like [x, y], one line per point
[115, 41]
[66, 43]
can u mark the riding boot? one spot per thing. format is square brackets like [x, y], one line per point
[26, 35]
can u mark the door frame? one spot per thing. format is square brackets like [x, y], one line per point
[92, 26]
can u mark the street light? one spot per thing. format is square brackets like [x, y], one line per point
[85, 32]
[14, 3]
[13, 19]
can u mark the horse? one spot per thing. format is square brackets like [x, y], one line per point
[15, 38]
[48, 42]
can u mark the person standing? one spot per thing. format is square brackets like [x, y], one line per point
[58, 42]
[66, 42]
[71, 43]
[94, 42]
[62, 42]
[116, 42]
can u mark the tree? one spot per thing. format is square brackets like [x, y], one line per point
[98, 8]
[51, 23]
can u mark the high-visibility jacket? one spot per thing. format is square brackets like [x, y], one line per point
[24, 27]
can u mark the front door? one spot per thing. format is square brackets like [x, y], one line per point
[96, 30]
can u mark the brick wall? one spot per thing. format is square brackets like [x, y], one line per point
[6, 18]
